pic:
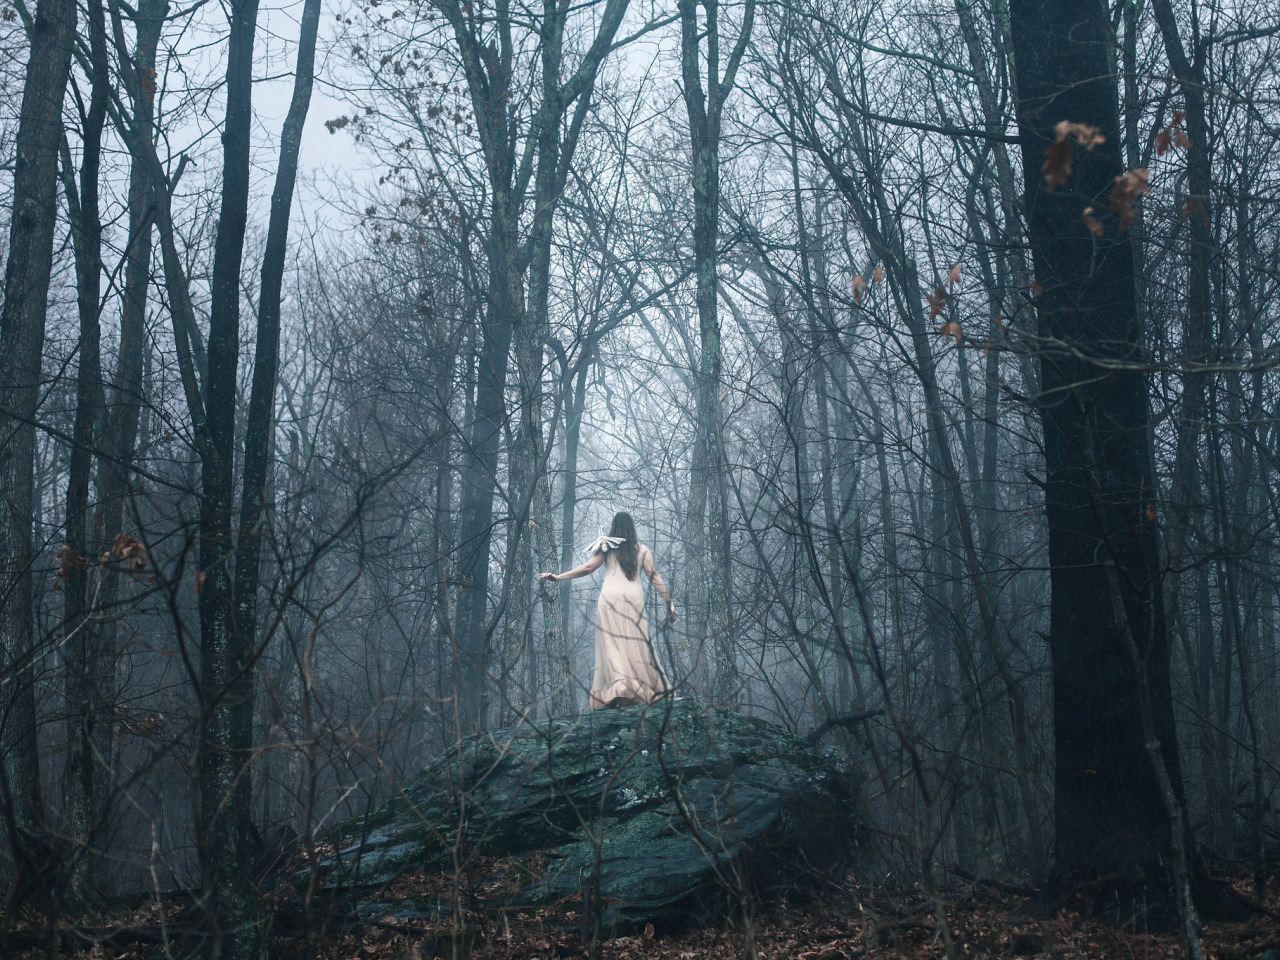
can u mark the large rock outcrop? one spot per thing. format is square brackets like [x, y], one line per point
[658, 813]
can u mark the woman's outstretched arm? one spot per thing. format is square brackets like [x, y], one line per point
[659, 584]
[590, 566]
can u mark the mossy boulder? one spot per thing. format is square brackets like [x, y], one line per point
[659, 813]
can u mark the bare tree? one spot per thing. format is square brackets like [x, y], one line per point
[22, 334]
[705, 98]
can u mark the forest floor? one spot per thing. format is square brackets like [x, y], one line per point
[846, 922]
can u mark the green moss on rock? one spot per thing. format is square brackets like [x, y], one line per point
[661, 813]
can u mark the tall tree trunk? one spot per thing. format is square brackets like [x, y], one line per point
[527, 478]
[480, 475]
[1186, 486]
[85, 660]
[226, 669]
[569, 504]
[709, 481]
[1110, 654]
[260, 430]
[120, 433]
[22, 326]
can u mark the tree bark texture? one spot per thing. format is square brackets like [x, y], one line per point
[1113, 828]
[118, 439]
[84, 657]
[226, 676]
[22, 329]
[260, 428]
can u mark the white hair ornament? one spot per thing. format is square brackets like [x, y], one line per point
[604, 543]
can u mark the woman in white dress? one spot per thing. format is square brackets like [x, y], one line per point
[626, 669]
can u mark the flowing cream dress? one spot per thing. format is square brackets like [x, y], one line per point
[626, 668]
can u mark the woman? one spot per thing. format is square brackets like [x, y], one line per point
[626, 669]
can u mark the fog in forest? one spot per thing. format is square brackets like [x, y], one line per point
[931, 346]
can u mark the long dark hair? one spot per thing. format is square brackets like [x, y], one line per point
[629, 552]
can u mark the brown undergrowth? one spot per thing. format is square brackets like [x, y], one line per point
[846, 922]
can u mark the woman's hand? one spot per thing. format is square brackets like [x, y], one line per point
[671, 613]
[549, 576]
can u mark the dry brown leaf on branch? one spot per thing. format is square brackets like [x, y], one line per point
[877, 274]
[1060, 156]
[68, 560]
[859, 287]
[936, 300]
[127, 548]
[954, 276]
[1057, 165]
[1085, 135]
[1172, 136]
[1194, 206]
[1124, 195]
[1092, 222]
[952, 329]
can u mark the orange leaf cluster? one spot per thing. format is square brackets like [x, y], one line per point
[1124, 195]
[127, 548]
[1092, 222]
[859, 288]
[1193, 207]
[936, 301]
[1060, 157]
[1172, 135]
[68, 560]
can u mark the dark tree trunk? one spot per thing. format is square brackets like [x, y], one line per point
[569, 498]
[1112, 804]
[260, 428]
[120, 432]
[85, 661]
[22, 326]
[480, 476]
[226, 674]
